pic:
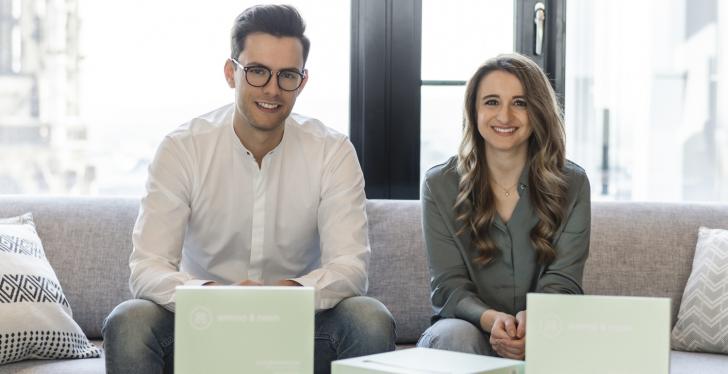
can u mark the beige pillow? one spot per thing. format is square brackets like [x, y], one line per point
[702, 323]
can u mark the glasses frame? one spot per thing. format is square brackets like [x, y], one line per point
[270, 75]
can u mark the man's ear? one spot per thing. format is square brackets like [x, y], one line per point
[305, 79]
[230, 73]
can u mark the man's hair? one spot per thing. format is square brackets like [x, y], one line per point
[276, 20]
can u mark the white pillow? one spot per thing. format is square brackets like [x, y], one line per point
[702, 323]
[36, 321]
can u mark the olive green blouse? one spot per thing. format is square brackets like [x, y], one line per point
[463, 289]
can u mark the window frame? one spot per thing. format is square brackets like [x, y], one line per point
[385, 97]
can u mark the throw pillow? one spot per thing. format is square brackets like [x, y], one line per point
[36, 321]
[702, 322]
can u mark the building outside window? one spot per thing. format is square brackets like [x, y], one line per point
[454, 44]
[88, 89]
[643, 89]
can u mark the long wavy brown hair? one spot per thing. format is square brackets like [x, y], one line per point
[475, 203]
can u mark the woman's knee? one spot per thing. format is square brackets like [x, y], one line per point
[454, 334]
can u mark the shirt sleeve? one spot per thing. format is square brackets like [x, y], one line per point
[342, 226]
[564, 275]
[160, 228]
[453, 291]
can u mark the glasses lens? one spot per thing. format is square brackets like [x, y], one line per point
[257, 76]
[289, 80]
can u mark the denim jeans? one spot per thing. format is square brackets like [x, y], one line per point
[452, 334]
[139, 335]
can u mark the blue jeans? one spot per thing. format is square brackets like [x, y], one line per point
[139, 335]
[452, 334]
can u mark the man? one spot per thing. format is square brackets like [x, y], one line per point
[250, 194]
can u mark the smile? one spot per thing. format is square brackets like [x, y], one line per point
[504, 130]
[267, 106]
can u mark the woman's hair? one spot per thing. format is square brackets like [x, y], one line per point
[475, 202]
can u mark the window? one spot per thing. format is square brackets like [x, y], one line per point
[642, 94]
[99, 84]
[410, 61]
[454, 44]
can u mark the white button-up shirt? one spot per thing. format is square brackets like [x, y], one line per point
[211, 214]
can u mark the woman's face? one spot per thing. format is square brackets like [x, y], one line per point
[503, 113]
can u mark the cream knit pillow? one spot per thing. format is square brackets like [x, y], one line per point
[702, 323]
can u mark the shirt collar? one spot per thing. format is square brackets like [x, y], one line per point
[241, 147]
[523, 179]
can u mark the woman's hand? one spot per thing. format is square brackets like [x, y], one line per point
[507, 333]
[521, 322]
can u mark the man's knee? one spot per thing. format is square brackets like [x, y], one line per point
[369, 318]
[134, 318]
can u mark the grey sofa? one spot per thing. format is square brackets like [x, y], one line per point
[641, 249]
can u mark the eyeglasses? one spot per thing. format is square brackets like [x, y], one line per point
[259, 76]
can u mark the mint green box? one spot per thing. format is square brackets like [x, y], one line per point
[426, 361]
[238, 329]
[570, 334]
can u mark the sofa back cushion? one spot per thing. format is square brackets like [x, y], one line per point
[398, 270]
[646, 249]
[636, 249]
[641, 249]
[87, 241]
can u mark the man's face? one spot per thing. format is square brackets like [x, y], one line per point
[265, 108]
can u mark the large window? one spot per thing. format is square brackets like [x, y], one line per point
[89, 88]
[645, 103]
[454, 44]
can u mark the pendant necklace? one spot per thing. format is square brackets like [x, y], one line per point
[507, 191]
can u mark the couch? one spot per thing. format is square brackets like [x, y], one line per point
[641, 249]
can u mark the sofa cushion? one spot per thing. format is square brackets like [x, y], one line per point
[693, 363]
[37, 321]
[702, 324]
[398, 271]
[646, 248]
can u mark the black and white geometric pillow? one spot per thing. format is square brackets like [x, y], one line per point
[36, 320]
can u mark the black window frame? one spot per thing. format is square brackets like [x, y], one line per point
[386, 52]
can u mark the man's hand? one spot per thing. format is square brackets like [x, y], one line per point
[287, 282]
[244, 282]
[251, 282]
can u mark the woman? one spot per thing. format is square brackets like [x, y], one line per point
[509, 215]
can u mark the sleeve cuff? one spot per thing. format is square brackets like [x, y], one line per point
[470, 309]
[196, 282]
[323, 299]
[304, 281]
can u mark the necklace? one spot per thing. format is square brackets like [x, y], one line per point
[507, 191]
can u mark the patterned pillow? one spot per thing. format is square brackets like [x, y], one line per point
[36, 318]
[702, 323]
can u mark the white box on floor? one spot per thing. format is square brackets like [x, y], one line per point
[427, 361]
